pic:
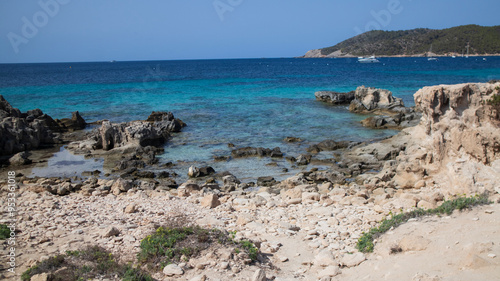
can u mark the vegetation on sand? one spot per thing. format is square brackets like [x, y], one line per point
[92, 262]
[366, 241]
[4, 232]
[171, 244]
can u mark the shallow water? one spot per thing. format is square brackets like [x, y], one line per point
[248, 102]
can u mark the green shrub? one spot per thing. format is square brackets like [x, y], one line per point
[4, 232]
[366, 241]
[167, 244]
[92, 262]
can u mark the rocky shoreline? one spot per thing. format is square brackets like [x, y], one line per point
[306, 227]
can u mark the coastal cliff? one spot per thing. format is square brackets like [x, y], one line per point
[456, 145]
[482, 40]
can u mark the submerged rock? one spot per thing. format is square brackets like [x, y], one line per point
[256, 151]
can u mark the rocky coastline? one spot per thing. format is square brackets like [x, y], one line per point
[306, 227]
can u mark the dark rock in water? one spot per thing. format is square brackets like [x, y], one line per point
[195, 172]
[221, 158]
[155, 131]
[303, 159]
[292, 139]
[230, 183]
[328, 145]
[256, 151]
[163, 175]
[144, 174]
[205, 171]
[398, 121]
[172, 124]
[334, 97]
[76, 122]
[26, 131]
[266, 181]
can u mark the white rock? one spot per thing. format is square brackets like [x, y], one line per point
[352, 260]
[325, 258]
[259, 275]
[331, 271]
[172, 269]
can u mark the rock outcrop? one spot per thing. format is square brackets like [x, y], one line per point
[31, 130]
[455, 146]
[376, 101]
[334, 97]
[155, 131]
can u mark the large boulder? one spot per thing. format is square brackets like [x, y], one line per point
[372, 100]
[155, 131]
[27, 131]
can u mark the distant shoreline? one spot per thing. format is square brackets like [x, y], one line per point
[402, 56]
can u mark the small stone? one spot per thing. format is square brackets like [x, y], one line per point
[199, 278]
[110, 231]
[489, 211]
[41, 277]
[475, 219]
[172, 269]
[224, 265]
[259, 275]
[210, 201]
[492, 256]
[283, 259]
[331, 271]
[131, 208]
[414, 243]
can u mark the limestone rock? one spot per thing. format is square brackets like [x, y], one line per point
[368, 100]
[351, 260]
[121, 185]
[259, 275]
[325, 258]
[42, 277]
[330, 271]
[20, 159]
[172, 270]
[210, 201]
[131, 208]
[110, 231]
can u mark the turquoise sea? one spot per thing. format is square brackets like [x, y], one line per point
[246, 102]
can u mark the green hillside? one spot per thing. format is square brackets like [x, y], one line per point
[483, 40]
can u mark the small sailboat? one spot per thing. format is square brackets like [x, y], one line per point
[468, 45]
[431, 58]
[371, 59]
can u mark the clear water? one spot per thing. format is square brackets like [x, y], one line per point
[247, 102]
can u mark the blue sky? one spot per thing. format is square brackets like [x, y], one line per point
[102, 30]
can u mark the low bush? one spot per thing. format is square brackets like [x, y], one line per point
[170, 244]
[92, 262]
[366, 241]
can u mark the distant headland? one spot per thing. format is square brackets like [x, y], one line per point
[465, 40]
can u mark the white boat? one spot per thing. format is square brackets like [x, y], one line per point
[371, 59]
[431, 58]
